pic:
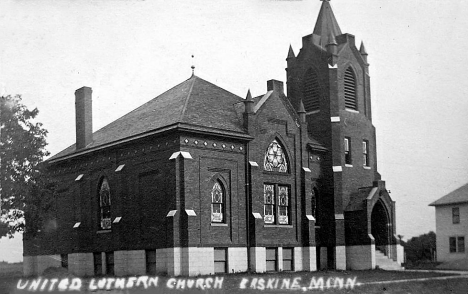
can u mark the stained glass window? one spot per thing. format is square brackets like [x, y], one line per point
[269, 203]
[280, 207]
[105, 205]
[275, 159]
[217, 203]
[283, 204]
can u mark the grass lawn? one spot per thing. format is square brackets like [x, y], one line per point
[376, 281]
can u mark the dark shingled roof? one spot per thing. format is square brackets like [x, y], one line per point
[460, 195]
[194, 102]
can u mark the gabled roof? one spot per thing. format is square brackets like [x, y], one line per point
[326, 25]
[193, 102]
[460, 195]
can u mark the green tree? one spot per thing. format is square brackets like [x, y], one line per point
[421, 248]
[22, 149]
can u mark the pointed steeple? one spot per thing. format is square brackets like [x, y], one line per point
[302, 112]
[362, 49]
[363, 52]
[248, 102]
[326, 24]
[290, 53]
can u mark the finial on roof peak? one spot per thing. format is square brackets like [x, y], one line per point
[326, 24]
[362, 50]
[301, 107]
[290, 52]
[249, 96]
[193, 66]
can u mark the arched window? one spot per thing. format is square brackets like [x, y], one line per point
[350, 89]
[105, 204]
[275, 158]
[311, 91]
[217, 202]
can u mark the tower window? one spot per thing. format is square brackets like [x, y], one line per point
[217, 203]
[365, 153]
[347, 150]
[311, 91]
[455, 215]
[350, 89]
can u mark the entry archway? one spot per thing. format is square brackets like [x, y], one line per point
[380, 227]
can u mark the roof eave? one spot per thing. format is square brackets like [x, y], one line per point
[446, 204]
[174, 127]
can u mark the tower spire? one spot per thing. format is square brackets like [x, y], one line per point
[326, 24]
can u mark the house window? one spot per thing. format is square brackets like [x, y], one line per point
[220, 260]
[365, 153]
[109, 263]
[271, 255]
[276, 203]
[217, 203]
[457, 244]
[461, 244]
[350, 89]
[275, 158]
[311, 91]
[347, 150]
[105, 205]
[456, 215]
[288, 259]
[97, 259]
[151, 262]
[64, 260]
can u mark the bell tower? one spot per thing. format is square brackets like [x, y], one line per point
[330, 76]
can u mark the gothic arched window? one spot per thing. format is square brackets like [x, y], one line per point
[275, 158]
[105, 204]
[350, 89]
[217, 202]
[311, 91]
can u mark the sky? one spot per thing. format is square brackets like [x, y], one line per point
[130, 51]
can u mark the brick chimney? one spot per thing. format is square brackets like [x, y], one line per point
[274, 85]
[84, 117]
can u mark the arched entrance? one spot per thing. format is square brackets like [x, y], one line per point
[380, 224]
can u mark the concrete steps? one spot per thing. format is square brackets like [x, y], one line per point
[385, 263]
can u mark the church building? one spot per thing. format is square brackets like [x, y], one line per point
[201, 181]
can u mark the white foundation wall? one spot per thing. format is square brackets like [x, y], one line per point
[299, 258]
[340, 257]
[360, 257]
[237, 259]
[258, 259]
[81, 264]
[129, 262]
[200, 261]
[35, 265]
[29, 265]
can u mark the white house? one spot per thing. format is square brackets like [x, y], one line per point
[452, 227]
